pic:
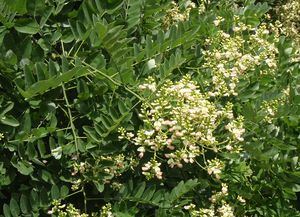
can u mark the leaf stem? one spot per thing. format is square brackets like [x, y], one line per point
[85, 199]
[113, 81]
[70, 117]
[70, 195]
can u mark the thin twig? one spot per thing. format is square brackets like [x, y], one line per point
[70, 117]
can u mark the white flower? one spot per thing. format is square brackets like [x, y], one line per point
[215, 167]
[265, 32]
[157, 125]
[142, 150]
[226, 210]
[236, 29]
[149, 132]
[151, 169]
[224, 188]
[228, 147]
[270, 62]
[130, 135]
[241, 199]
[218, 21]
[236, 129]
[225, 35]
[190, 206]
[207, 212]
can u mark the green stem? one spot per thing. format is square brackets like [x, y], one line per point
[84, 200]
[113, 81]
[75, 54]
[70, 117]
[70, 195]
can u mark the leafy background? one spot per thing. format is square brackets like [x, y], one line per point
[70, 72]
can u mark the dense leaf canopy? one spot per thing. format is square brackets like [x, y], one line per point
[149, 108]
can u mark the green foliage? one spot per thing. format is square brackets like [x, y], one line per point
[7, 16]
[78, 80]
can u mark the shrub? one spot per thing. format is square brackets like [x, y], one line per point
[148, 108]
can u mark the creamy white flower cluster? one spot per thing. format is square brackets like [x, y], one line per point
[270, 107]
[219, 196]
[236, 128]
[231, 55]
[215, 167]
[106, 211]
[152, 168]
[219, 205]
[63, 210]
[148, 85]
[225, 210]
[118, 164]
[174, 15]
[179, 124]
[290, 17]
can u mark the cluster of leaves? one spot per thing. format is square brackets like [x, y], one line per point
[70, 72]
